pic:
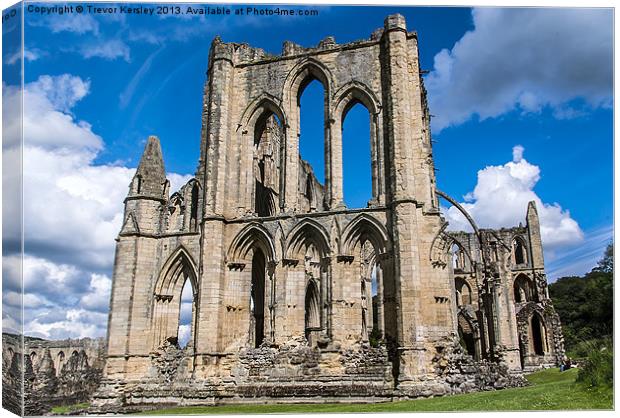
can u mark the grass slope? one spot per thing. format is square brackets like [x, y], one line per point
[550, 390]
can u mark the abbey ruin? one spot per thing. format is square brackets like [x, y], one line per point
[297, 297]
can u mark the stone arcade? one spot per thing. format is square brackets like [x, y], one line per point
[295, 296]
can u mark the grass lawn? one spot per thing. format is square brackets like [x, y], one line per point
[64, 409]
[550, 390]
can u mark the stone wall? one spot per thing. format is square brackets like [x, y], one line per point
[51, 377]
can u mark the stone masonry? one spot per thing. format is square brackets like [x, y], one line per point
[61, 372]
[295, 296]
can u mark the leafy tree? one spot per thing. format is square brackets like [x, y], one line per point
[585, 305]
[606, 264]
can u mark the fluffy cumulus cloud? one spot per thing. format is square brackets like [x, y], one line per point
[525, 59]
[500, 199]
[72, 212]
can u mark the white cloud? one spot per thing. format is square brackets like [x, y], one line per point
[98, 296]
[29, 55]
[184, 335]
[76, 23]
[62, 92]
[524, 59]
[72, 214]
[46, 122]
[110, 50]
[500, 199]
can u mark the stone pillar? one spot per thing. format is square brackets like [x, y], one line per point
[218, 133]
[118, 318]
[407, 223]
[333, 159]
[280, 309]
[212, 273]
[533, 229]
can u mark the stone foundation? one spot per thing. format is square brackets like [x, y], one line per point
[297, 373]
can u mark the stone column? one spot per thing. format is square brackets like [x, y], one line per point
[118, 318]
[210, 294]
[333, 159]
[218, 133]
[400, 134]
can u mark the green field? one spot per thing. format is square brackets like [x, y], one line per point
[549, 390]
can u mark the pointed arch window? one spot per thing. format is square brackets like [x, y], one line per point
[186, 314]
[523, 289]
[538, 335]
[519, 250]
[257, 298]
[174, 306]
[193, 222]
[458, 257]
[356, 155]
[312, 317]
[268, 135]
[312, 111]
[463, 292]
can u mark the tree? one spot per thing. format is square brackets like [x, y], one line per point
[585, 304]
[606, 264]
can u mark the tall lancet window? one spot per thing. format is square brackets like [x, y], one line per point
[268, 135]
[257, 298]
[186, 314]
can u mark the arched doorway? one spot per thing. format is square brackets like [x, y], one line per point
[538, 334]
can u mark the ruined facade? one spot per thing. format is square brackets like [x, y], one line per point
[49, 373]
[296, 296]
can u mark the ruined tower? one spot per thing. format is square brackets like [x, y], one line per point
[294, 295]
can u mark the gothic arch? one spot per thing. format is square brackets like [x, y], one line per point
[348, 96]
[362, 228]
[538, 334]
[463, 291]
[252, 125]
[519, 250]
[194, 189]
[253, 235]
[523, 288]
[467, 259]
[441, 248]
[263, 104]
[308, 232]
[179, 266]
[312, 315]
[352, 93]
[302, 74]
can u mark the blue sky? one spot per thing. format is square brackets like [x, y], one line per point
[522, 100]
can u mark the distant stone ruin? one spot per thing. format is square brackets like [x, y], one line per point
[55, 372]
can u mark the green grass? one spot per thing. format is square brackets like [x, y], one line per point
[64, 409]
[549, 390]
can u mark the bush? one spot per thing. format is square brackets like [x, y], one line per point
[599, 367]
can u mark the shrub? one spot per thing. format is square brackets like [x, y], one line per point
[599, 367]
